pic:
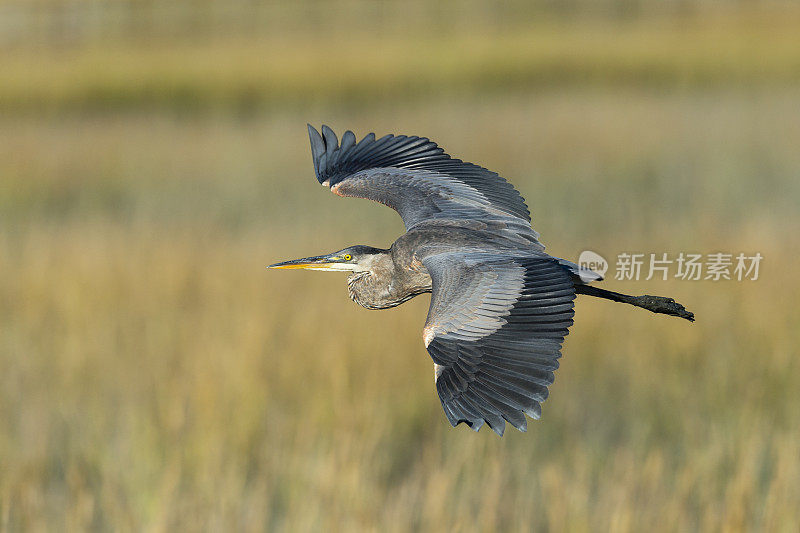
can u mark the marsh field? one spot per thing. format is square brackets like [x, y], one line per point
[155, 376]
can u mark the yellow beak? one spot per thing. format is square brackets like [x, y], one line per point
[320, 262]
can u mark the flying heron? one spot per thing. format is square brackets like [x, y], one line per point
[500, 306]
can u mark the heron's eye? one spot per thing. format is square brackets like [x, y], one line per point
[347, 257]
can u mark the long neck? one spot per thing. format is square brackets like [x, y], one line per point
[383, 284]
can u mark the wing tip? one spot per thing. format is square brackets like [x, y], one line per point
[499, 427]
[329, 154]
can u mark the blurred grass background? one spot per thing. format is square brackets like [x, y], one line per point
[153, 159]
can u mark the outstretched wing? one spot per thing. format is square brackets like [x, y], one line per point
[416, 178]
[494, 330]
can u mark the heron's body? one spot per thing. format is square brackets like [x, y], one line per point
[500, 306]
[399, 274]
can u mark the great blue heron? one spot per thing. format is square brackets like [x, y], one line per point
[500, 306]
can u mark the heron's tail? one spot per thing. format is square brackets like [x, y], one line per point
[656, 304]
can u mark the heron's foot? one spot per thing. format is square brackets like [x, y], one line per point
[666, 306]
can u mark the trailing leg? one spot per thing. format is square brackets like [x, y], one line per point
[656, 304]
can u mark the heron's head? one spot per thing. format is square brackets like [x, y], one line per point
[353, 259]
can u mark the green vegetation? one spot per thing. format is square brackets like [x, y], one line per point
[153, 375]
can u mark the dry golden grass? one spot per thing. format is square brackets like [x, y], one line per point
[153, 375]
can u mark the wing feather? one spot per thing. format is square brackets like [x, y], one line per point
[414, 176]
[494, 329]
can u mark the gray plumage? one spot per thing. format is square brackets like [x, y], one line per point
[500, 306]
